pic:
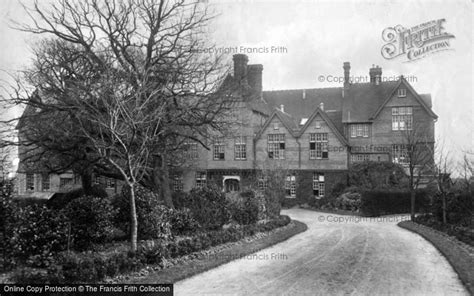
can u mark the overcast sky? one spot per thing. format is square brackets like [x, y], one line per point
[318, 37]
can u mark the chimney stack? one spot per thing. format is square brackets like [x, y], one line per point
[240, 68]
[282, 108]
[347, 72]
[375, 74]
[321, 106]
[254, 77]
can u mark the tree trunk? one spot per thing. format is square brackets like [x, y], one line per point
[86, 180]
[412, 200]
[444, 209]
[133, 220]
[161, 181]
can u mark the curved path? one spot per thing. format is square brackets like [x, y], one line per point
[337, 255]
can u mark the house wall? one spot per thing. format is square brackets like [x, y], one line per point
[337, 157]
[291, 160]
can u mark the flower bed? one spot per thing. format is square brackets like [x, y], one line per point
[92, 267]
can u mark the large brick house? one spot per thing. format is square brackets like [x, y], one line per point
[314, 135]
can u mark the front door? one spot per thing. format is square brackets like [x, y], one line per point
[232, 185]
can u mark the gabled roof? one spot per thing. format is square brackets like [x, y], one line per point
[301, 103]
[286, 119]
[329, 122]
[415, 94]
[361, 100]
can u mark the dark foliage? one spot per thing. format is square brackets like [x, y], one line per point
[35, 234]
[151, 214]
[385, 202]
[207, 205]
[377, 175]
[91, 220]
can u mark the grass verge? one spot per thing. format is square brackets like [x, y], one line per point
[203, 263]
[459, 257]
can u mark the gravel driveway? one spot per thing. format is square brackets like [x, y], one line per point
[336, 255]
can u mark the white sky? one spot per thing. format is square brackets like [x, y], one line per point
[319, 37]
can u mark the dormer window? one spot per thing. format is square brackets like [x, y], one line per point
[402, 92]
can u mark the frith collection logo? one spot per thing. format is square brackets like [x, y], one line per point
[415, 42]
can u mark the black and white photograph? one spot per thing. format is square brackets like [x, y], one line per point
[247, 147]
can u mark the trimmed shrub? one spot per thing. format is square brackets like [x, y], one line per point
[91, 220]
[245, 209]
[349, 200]
[384, 202]
[207, 205]
[61, 200]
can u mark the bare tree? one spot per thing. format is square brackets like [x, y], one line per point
[442, 176]
[418, 150]
[130, 80]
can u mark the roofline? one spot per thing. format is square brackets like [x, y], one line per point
[412, 90]
[301, 132]
[265, 125]
[327, 120]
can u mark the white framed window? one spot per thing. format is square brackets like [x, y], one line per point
[360, 157]
[64, 182]
[318, 185]
[402, 118]
[276, 146]
[177, 182]
[318, 146]
[218, 149]
[30, 181]
[400, 154]
[240, 148]
[201, 180]
[290, 186]
[359, 130]
[402, 92]
[45, 182]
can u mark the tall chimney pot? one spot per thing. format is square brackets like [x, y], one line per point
[254, 77]
[240, 68]
[375, 74]
[347, 72]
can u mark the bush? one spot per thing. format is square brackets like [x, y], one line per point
[349, 200]
[94, 267]
[384, 202]
[61, 200]
[246, 208]
[35, 234]
[91, 220]
[182, 222]
[153, 217]
[207, 205]
[459, 208]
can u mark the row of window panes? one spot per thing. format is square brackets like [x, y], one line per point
[400, 154]
[108, 182]
[360, 157]
[45, 182]
[318, 185]
[318, 146]
[359, 130]
[276, 146]
[240, 149]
